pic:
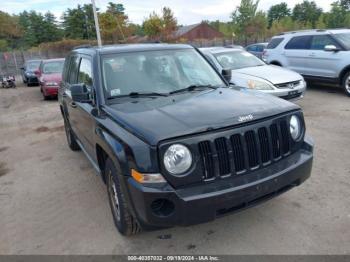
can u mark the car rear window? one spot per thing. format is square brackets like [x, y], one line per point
[274, 43]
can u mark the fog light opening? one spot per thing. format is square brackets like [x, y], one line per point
[162, 207]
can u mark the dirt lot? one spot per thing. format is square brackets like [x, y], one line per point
[51, 201]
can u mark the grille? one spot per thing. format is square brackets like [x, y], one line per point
[289, 85]
[240, 153]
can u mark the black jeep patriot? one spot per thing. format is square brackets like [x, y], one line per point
[175, 144]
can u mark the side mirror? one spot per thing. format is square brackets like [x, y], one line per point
[80, 93]
[227, 74]
[331, 48]
[37, 72]
[22, 68]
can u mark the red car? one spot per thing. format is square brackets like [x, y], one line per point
[50, 76]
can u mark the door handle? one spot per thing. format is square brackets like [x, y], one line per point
[312, 54]
[73, 104]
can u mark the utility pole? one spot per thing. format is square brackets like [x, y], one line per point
[99, 42]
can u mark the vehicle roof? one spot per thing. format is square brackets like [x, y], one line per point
[53, 60]
[264, 43]
[125, 48]
[33, 60]
[315, 31]
[217, 50]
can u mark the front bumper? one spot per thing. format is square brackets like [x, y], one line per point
[32, 79]
[289, 94]
[50, 90]
[205, 202]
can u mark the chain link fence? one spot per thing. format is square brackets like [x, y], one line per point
[11, 62]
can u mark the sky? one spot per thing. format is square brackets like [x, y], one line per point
[186, 11]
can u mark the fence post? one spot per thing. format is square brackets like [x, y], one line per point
[15, 60]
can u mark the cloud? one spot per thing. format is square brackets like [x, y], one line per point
[186, 11]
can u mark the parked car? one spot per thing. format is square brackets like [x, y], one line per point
[28, 72]
[175, 144]
[250, 72]
[234, 46]
[50, 76]
[319, 55]
[257, 49]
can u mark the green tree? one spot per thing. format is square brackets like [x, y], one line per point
[277, 12]
[10, 30]
[162, 26]
[307, 13]
[339, 14]
[78, 23]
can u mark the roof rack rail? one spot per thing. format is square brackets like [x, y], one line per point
[82, 46]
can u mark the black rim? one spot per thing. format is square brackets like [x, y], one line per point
[113, 196]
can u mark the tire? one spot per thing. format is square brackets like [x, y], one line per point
[72, 142]
[346, 83]
[123, 220]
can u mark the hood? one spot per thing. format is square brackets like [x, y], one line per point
[57, 77]
[271, 73]
[157, 119]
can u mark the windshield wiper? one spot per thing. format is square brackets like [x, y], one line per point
[193, 88]
[138, 94]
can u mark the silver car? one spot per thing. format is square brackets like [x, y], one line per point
[319, 55]
[250, 72]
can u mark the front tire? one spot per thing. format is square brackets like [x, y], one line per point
[346, 83]
[123, 220]
[72, 142]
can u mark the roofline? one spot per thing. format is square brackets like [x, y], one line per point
[312, 30]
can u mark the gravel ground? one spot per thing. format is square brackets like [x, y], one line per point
[52, 202]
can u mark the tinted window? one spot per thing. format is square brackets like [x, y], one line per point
[299, 42]
[252, 48]
[320, 41]
[274, 43]
[85, 72]
[73, 70]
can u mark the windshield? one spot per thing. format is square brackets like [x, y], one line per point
[344, 39]
[237, 60]
[53, 67]
[156, 71]
[32, 66]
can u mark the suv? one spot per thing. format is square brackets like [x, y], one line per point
[174, 143]
[321, 55]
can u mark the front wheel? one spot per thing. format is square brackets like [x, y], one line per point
[123, 220]
[346, 83]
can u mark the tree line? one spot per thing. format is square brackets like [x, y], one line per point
[248, 23]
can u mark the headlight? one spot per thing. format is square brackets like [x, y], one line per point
[295, 127]
[258, 85]
[177, 159]
[51, 84]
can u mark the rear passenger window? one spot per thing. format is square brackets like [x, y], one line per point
[320, 41]
[274, 43]
[73, 70]
[299, 42]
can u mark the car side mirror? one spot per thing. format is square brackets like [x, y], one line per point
[37, 72]
[80, 93]
[22, 68]
[227, 74]
[331, 48]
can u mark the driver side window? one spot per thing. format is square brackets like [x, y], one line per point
[85, 73]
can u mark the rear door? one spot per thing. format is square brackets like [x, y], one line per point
[323, 63]
[296, 53]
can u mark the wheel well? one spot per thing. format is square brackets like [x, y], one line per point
[101, 159]
[276, 63]
[343, 73]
